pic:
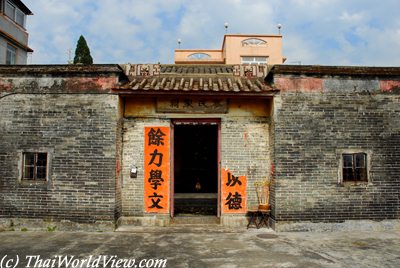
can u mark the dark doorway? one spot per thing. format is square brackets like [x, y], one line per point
[195, 169]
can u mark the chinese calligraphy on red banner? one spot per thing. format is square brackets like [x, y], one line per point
[156, 169]
[233, 192]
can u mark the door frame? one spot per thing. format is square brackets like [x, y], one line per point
[195, 121]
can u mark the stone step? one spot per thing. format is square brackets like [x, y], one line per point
[195, 220]
[196, 206]
[185, 228]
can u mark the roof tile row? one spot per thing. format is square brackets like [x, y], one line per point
[196, 78]
[173, 83]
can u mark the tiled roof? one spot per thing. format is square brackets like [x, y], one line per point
[201, 79]
[232, 84]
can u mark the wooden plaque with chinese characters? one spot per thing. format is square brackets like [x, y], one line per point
[233, 193]
[192, 105]
[156, 169]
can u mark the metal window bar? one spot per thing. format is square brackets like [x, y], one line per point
[360, 167]
[35, 166]
[355, 167]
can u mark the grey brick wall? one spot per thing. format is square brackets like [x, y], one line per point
[311, 132]
[245, 150]
[133, 154]
[79, 131]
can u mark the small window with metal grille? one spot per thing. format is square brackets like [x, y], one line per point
[34, 166]
[354, 167]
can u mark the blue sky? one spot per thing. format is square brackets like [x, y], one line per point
[325, 32]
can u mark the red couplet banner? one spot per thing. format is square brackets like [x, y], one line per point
[156, 169]
[233, 192]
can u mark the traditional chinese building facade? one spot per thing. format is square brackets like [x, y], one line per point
[183, 121]
[152, 144]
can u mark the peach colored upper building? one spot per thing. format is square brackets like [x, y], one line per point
[237, 49]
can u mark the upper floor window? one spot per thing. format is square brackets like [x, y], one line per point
[34, 166]
[254, 60]
[253, 42]
[11, 55]
[355, 167]
[19, 17]
[199, 56]
[14, 13]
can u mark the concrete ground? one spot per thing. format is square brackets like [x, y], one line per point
[210, 247]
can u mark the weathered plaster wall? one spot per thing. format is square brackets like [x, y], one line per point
[314, 125]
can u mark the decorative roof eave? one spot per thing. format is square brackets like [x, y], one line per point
[195, 84]
[173, 93]
[145, 79]
[133, 70]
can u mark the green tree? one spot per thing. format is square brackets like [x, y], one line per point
[82, 52]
